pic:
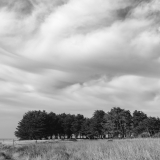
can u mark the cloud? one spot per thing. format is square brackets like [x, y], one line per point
[75, 56]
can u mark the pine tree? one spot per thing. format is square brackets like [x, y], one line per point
[32, 126]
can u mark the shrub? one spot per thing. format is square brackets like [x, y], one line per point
[144, 135]
[5, 155]
[157, 135]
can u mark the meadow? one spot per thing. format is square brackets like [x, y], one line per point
[125, 149]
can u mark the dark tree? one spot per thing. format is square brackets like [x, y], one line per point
[97, 123]
[52, 125]
[138, 118]
[86, 129]
[65, 124]
[32, 126]
[77, 125]
[60, 126]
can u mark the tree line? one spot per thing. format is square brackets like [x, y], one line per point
[117, 123]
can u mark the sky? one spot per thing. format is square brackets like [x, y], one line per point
[78, 56]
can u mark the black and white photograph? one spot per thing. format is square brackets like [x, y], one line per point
[79, 79]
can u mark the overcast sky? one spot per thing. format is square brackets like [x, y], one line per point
[78, 56]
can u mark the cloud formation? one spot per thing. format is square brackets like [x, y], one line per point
[77, 56]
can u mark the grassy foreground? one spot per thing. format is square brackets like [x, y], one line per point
[136, 149]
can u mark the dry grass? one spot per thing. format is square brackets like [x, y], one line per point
[137, 149]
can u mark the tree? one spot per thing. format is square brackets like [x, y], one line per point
[138, 118]
[77, 125]
[65, 124]
[151, 125]
[60, 127]
[52, 124]
[32, 126]
[97, 123]
[118, 122]
[86, 129]
[109, 125]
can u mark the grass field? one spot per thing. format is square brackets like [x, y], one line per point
[134, 149]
